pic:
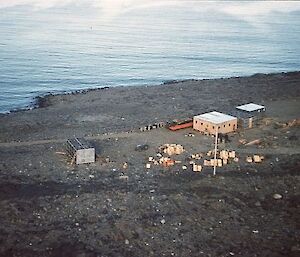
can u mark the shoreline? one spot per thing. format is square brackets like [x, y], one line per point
[116, 109]
[41, 101]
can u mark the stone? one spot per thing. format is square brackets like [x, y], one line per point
[123, 177]
[277, 196]
[257, 204]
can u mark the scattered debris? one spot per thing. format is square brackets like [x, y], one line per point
[254, 142]
[220, 163]
[249, 159]
[142, 147]
[62, 153]
[171, 149]
[189, 135]
[148, 166]
[236, 159]
[197, 168]
[197, 156]
[125, 165]
[206, 163]
[231, 154]
[242, 141]
[292, 123]
[267, 121]
[153, 126]
[168, 163]
[124, 178]
[213, 162]
[225, 155]
[257, 158]
[222, 158]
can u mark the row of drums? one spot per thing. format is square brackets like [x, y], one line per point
[153, 126]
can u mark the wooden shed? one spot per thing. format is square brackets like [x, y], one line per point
[209, 123]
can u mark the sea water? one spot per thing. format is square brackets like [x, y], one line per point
[62, 49]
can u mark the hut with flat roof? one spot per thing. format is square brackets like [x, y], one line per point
[209, 123]
[252, 108]
[249, 114]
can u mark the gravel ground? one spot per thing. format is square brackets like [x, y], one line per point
[51, 208]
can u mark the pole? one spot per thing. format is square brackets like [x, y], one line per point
[216, 146]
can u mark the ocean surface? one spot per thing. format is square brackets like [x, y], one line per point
[70, 48]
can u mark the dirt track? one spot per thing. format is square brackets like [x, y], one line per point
[49, 208]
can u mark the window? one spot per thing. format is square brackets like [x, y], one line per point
[213, 127]
[219, 127]
[229, 124]
[201, 123]
[224, 125]
[196, 121]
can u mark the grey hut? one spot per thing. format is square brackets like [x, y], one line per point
[249, 114]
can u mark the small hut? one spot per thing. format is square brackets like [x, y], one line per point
[209, 123]
[80, 151]
[249, 114]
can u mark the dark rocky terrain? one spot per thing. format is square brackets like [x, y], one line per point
[51, 208]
